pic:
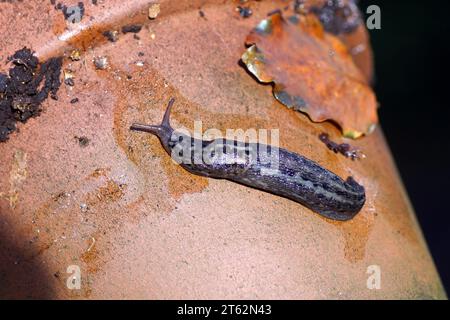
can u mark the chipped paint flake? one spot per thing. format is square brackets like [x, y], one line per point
[311, 72]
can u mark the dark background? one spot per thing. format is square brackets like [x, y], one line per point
[413, 88]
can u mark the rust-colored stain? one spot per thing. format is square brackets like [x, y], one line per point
[140, 226]
[312, 72]
[100, 172]
[91, 256]
[356, 234]
[111, 191]
[44, 224]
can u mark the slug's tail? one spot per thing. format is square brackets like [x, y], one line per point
[160, 130]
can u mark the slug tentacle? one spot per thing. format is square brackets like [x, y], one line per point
[163, 131]
[166, 118]
[156, 130]
[295, 177]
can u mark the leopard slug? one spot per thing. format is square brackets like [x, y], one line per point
[295, 177]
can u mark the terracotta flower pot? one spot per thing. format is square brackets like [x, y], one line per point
[82, 195]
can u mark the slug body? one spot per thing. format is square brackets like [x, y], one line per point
[295, 177]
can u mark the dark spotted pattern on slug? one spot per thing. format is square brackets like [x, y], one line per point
[297, 178]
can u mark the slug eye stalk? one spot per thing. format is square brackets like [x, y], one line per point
[158, 130]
